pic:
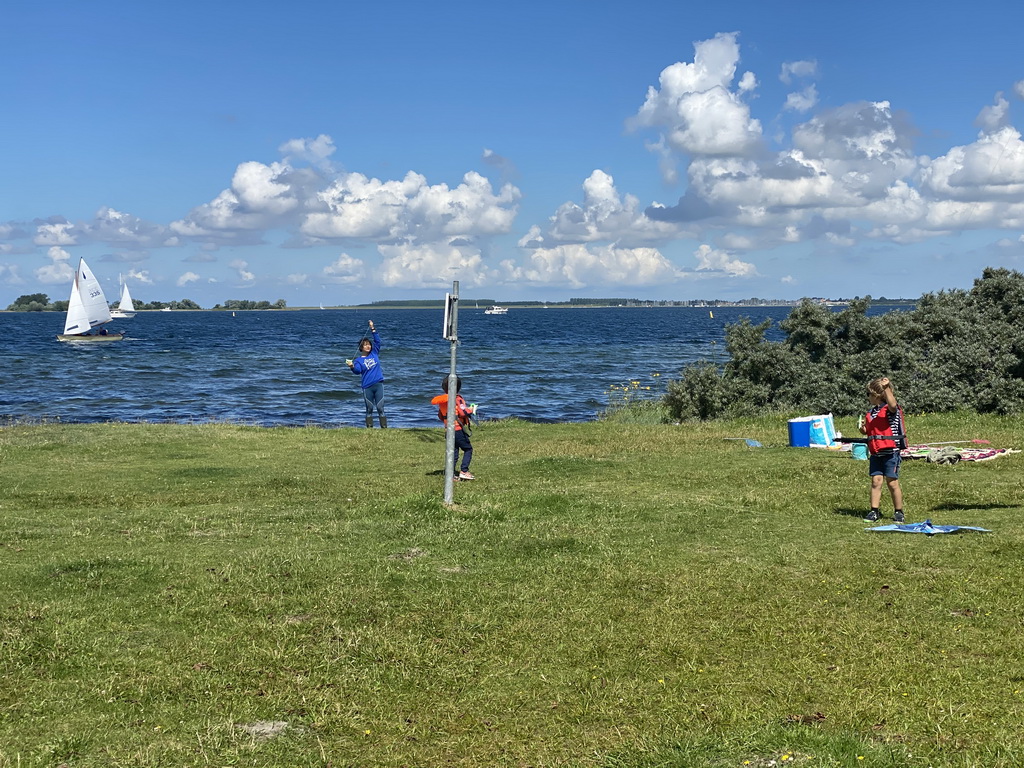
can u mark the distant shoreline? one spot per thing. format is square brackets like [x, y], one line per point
[440, 306]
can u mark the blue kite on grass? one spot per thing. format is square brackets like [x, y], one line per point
[927, 527]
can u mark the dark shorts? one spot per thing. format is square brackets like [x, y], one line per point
[887, 464]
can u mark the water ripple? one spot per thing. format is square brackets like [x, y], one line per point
[288, 368]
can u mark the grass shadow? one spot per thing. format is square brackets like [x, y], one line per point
[848, 512]
[426, 435]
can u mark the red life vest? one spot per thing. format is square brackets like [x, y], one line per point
[880, 429]
[461, 416]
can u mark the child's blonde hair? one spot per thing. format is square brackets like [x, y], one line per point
[875, 387]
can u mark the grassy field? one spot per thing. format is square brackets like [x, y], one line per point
[603, 595]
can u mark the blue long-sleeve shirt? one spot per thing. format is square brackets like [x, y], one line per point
[368, 366]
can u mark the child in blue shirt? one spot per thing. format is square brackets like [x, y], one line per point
[368, 366]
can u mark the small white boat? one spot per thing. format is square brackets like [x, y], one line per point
[88, 310]
[125, 308]
[494, 309]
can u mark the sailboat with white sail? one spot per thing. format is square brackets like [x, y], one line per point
[125, 309]
[88, 310]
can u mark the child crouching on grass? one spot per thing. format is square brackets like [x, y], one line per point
[463, 426]
[883, 425]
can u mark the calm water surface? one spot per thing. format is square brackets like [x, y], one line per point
[288, 367]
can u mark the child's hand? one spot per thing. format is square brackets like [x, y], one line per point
[349, 363]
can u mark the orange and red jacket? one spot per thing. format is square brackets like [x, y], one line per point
[461, 414]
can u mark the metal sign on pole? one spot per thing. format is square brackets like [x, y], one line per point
[451, 332]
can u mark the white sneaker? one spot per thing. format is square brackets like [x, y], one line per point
[466, 476]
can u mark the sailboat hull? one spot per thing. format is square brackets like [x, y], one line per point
[89, 337]
[117, 314]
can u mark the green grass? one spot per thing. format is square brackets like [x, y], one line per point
[605, 594]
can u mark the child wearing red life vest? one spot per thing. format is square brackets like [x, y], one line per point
[463, 426]
[883, 425]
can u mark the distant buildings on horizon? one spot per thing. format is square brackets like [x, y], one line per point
[470, 303]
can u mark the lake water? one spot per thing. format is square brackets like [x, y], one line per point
[288, 367]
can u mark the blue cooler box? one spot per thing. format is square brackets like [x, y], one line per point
[808, 431]
[800, 433]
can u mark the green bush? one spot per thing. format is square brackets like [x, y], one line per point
[956, 351]
[700, 394]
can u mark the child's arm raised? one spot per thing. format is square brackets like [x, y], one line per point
[890, 396]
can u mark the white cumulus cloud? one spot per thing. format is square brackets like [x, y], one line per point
[605, 215]
[579, 265]
[994, 116]
[141, 276]
[991, 168]
[114, 227]
[695, 109]
[315, 151]
[242, 268]
[355, 206]
[345, 270]
[802, 101]
[55, 233]
[261, 197]
[431, 266]
[792, 70]
[710, 259]
[59, 270]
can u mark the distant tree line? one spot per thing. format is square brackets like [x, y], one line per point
[37, 302]
[246, 304]
[957, 350]
[40, 302]
[183, 304]
[603, 302]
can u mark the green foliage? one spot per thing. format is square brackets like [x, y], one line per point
[183, 304]
[700, 394]
[31, 302]
[636, 402]
[243, 304]
[957, 350]
[637, 412]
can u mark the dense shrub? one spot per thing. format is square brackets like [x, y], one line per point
[957, 350]
[699, 394]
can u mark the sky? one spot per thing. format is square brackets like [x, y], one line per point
[342, 153]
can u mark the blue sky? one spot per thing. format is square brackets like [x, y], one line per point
[339, 153]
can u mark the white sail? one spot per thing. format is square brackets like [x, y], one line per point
[125, 310]
[126, 304]
[87, 307]
[77, 320]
